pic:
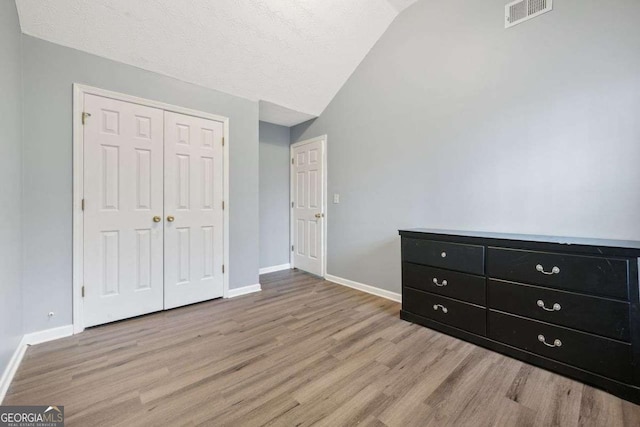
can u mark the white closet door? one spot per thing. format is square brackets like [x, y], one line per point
[123, 180]
[308, 196]
[193, 209]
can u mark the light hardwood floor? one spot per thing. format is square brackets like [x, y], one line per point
[303, 351]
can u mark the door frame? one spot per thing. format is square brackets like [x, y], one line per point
[79, 90]
[323, 139]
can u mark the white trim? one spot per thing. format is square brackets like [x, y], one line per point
[27, 340]
[79, 91]
[48, 335]
[78, 215]
[226, 196]
[275, 268]
[393, 296]
[323, 139]
[84, 89]
[243, 291]
[12, 368]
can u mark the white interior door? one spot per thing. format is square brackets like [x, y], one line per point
[308, 220]
[123, 180]
[193, 209]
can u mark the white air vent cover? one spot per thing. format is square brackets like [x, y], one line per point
[522, 10]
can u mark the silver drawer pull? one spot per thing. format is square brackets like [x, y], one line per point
[443, 254]
[554, 270]
[444, 309]
[556, 306]
[435, 282]
[556, 343]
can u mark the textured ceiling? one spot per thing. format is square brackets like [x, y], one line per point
[400, 5]
[292, 54]
[274, 113]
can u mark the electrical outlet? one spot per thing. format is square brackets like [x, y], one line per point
[336, 198]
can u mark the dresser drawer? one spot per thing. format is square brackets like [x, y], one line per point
[445, 310]
[462, 286]
[589, 352]
[600, 316]
[592, 275]
[453, 256]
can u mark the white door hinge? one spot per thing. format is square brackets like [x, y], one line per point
[82, 204]
[83, 292]
[222, 268]
[223, 141]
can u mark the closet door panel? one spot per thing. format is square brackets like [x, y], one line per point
[123, 192]
[194, 186]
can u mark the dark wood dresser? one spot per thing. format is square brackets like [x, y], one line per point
[568, 305]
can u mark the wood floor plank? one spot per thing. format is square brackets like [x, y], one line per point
[302, 352]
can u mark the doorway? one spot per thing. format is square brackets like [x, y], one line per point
[308, 205]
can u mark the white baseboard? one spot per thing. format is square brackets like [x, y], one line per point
[244, 291]
[48, 335]
[393, 296]
[27, 340]
[275, 268]
[12, 368]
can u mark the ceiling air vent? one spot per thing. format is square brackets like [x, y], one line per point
[522, 10]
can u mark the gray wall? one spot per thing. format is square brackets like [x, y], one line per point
[49, 72]
[274, 194]
[10, 182]
[452, 121]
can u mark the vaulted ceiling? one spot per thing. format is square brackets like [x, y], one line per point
[291, 55]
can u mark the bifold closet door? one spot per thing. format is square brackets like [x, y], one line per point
[123, 195]
[193, 209]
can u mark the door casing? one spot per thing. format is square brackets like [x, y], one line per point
[323, 141]
[79, 91]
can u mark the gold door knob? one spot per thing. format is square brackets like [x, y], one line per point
[319, 215]
[157, 219]
[170, 218]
